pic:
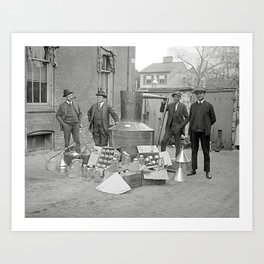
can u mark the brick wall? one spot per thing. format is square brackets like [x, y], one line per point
[77, 71]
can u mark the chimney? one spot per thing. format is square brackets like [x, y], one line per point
[167, 59]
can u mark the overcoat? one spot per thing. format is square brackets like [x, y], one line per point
[207, 111]
[107, 110]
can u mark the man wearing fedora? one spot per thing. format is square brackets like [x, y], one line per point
[69, 115]
[202, 117]
[176, 121]
[98, 116]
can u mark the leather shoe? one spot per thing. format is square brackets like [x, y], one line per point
[208, 176]
[190, 173]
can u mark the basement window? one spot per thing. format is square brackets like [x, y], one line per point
[39, 141]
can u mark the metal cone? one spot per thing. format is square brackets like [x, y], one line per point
[179, 175]
[182, 158]
[62, 163]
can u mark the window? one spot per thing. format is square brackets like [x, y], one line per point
[38, 76]
[148, 79]
[106, 60]
[41, 141]
[105, 73]
[162, 79]
[106, 63]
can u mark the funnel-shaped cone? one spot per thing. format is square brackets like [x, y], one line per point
[179, 175]
[182, 158]
[62, 163]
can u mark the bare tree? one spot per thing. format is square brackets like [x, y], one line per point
[209, 64]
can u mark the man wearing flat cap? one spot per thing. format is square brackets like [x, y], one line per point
[202, 117]
[176, 121]
[98, 116]
[69, 115]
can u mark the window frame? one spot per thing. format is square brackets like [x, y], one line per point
[149, 78]
[38, 106]
[163, 80]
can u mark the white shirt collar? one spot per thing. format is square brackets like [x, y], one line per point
[70, 103]
[176, 106]
[101, 104]
[200, 102]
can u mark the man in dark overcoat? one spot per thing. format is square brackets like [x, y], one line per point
[176, 121]
[69, 116]
[98, 116]
[202, 117]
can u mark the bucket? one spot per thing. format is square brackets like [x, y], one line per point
[69, 156]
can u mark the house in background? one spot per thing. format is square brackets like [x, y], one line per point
[167, 77]
[83, 70]
[168, 74]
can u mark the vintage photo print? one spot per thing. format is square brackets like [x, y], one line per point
[132, 132]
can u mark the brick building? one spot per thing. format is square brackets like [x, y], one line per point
[83, 70]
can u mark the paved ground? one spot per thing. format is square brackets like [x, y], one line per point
[52, 194]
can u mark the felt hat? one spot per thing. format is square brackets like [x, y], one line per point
[66, 92]
[101, 93]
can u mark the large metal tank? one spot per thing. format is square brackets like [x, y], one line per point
[130, 131]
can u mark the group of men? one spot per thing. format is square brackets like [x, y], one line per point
[69, 116]
[201, 118]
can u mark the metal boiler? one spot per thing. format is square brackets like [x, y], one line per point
[130, 132]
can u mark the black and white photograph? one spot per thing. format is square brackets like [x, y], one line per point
[143, 136]
[131, 132]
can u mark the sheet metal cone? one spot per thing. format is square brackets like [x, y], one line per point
[182, 158]
[179, 175]
[62, 164]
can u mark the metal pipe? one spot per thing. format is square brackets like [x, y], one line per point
[128, 66]
[153, 96]
[131, 106]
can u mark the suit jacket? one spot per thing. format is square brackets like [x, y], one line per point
[181, 112]
[107, 110]
[208, 116]
[62, 110]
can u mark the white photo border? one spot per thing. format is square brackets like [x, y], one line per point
[245, 220]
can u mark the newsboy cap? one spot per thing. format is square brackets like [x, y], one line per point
[200, 90]
[101, 93]
[66, 92]
[176, 93]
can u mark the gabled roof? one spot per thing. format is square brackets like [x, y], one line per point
[164, 67]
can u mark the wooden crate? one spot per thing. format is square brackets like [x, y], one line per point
[153, 182]
[133, 179]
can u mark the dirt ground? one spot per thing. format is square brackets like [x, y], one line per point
[53, 194]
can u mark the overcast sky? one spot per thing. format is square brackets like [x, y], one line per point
[148, 54]
[145, 55]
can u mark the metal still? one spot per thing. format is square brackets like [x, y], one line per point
[130, 131]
